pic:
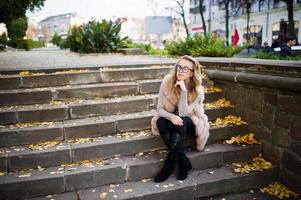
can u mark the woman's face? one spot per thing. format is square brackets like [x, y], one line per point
[184, 70]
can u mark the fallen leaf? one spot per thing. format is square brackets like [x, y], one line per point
[279, 190]
[128, 190]
[103, 195]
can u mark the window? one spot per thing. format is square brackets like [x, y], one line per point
[255, 34]
[279, 30]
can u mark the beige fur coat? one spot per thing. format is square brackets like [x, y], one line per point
[198, 117]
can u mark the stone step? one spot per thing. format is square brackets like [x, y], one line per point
[102, 75]
[98, 90]
[87, 127]
[115, 170]
[22, 157]
[62, 110]
[200, 183]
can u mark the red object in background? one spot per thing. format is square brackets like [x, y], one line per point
[235, 38]
[197, 28]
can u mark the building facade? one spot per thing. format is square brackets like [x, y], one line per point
[59, 24]
[268, 20]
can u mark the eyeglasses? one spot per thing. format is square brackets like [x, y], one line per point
[184, 69]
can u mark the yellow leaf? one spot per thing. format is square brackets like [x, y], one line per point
[279, 190]
[213, 89]
[103, 195]
[128, 190]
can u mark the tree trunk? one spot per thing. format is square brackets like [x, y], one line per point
[202, 15]
[185, 25]
[227, 21]
[290, 11]
[182, 13]
[248, 20]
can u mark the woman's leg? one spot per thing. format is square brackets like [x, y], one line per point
[184, 162]
[165, 128]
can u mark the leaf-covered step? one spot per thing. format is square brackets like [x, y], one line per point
[80, 108]
[96, 90]
[115, 170]
[200, 183]
[54, 153]
[21, 133]
[81, 76]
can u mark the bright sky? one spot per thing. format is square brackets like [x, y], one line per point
[108, 9]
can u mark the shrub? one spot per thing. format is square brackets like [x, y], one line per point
[3, 39]
[65, 44]
[96, 37]
[201, 46]
[28, 44]
[274, 56]
[23, 44]
[56, 39]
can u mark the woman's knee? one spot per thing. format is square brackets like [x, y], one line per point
[163, 125]
[161, 121]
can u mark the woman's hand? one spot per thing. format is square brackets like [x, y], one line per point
[176, 120]
[181, 84]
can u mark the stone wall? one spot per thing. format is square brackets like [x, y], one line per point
[271, 103]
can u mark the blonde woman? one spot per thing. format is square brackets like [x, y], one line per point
[180, 112]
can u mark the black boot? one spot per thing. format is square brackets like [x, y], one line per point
[168, 168]
[184, 167]
[174, 139]
[166, 139]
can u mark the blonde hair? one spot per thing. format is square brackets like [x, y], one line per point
[195, 81]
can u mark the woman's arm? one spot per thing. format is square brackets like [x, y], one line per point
[184, 108]
[160, 108]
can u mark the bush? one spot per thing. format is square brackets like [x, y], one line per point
[35, 44]
[201, 46]
[23, 44]
[3, 39]
[28, 44]
[147, 48]
[274, 56]
[65, 44]
[96, 37]
[56, 39]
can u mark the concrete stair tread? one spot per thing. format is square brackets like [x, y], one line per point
[28, 133]
[73, 77]
[82, 86]
[20, 157]
[120, 169]
[39, 94]
[96, 119]
[75, 102]
[198, 184]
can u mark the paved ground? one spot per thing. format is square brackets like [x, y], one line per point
[56, 58]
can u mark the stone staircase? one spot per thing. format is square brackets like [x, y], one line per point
[86, 135]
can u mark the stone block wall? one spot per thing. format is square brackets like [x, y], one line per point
[273, 114]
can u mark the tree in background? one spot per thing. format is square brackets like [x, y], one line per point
[202, 16]
[182, 13]
[3, 39]
[17, 31]
[56, 39]
[248, 6]
[226, 2]
[12, 10]
[290, 16]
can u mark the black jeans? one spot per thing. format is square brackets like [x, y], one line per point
[174, 135]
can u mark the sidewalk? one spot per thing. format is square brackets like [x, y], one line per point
[44, 58]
